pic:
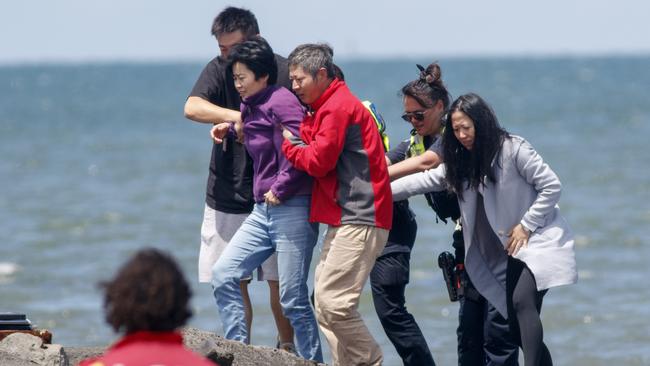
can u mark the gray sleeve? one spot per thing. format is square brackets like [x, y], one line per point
[418, 183]
[537, 173]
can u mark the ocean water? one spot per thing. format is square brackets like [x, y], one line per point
[98, 161]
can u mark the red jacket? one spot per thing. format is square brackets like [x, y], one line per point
[149, 348]
[341, 149]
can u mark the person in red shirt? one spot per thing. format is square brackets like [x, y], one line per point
[148, 300]
[340, 147]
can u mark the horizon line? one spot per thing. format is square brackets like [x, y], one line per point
[343, 58]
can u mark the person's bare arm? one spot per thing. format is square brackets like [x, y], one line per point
[200, 110]
[420, 163]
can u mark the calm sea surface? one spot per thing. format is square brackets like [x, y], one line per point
[98, 161]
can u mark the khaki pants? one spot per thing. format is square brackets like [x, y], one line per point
[348, 255]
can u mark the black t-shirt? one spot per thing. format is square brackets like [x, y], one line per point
[230, 180]
[398, 153]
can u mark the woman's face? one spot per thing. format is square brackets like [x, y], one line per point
[245, 80]
[463, 127]
[425, 121]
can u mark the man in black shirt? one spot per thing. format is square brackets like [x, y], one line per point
[229, 195]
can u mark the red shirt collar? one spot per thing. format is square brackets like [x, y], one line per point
[334, 86]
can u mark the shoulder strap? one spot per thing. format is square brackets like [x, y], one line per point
[379, 121]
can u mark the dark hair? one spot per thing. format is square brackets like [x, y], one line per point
[338, 73]
[149, 292]
[258, 56]
[428, 88]
[312, 57]
[472, 166]
[233, 19]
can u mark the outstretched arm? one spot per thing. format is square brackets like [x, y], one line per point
[200, 110]
[418, 183]
[420, 163]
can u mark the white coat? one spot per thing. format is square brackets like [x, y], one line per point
[526, 191]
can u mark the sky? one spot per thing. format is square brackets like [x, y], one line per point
[52, 31]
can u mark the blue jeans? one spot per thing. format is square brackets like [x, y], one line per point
[284, 229]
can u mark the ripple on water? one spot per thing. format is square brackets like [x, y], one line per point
[8, 271]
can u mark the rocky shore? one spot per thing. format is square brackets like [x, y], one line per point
[21, 349]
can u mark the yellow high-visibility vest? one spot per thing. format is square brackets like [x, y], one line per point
[379, 121]
[416, 145]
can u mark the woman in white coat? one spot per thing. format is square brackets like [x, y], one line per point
[517, 243]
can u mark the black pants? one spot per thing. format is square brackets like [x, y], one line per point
[524, 307]
[388, 281]
[484, 336]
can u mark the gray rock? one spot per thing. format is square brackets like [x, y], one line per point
[7, 359]
[74, 355]
[216, 348]
[31, 348]
[231, 353]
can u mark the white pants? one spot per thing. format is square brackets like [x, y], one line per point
[216, 231]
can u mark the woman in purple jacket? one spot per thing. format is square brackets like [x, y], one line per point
[279, 221]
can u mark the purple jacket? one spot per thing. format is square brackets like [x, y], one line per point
[264, 114]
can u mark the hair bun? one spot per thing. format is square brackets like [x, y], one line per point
[433, 73]
[430, 75]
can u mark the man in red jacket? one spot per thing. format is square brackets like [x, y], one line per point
[340, 147]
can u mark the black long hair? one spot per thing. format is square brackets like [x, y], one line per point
[468, 168]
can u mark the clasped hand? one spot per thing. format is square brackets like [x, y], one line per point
[220, 130]
[271, 199]
[517, 239]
